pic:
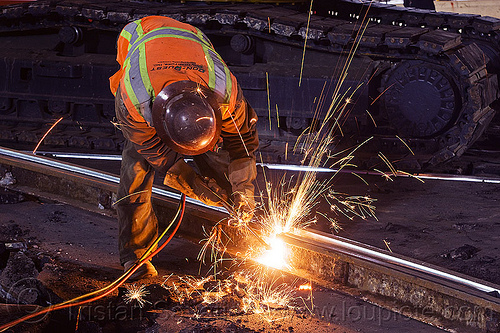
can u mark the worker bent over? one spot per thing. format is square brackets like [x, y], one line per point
[174, 96]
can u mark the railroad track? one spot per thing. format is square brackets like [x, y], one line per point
[427, 293]
[446, 50]
[491, 179]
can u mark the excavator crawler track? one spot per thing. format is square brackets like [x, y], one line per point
[425, 83]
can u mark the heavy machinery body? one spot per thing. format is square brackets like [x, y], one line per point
[422, 85]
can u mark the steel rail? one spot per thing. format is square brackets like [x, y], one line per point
[348, 246]
[302, 168]
[334, 242]
[93, 173]
[421, 291]
[383, 278]
[337, 242]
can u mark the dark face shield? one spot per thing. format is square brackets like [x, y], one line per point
[187, 118]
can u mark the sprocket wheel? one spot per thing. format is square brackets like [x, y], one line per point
[421, 100]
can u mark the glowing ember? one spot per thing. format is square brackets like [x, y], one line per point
[305, 286]
[200, 92]
[253, 291]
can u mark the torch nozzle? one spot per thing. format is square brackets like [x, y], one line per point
[261, 241]
[233, 213]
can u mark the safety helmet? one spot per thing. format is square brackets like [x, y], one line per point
[187, 117]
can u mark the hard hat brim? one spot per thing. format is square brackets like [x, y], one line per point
[162, 101]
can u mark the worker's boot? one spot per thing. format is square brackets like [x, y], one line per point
[147, 270]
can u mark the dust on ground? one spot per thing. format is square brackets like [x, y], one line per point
[453, 225]
[70, 252]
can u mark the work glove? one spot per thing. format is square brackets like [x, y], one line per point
[184, 179]
[242, 172]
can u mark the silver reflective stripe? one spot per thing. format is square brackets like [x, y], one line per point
[220, 75]
[135, 36]
[167, 31]
[131, 28]
[204, 37]
[136, 80]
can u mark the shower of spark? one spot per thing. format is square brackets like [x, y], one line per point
[250, 291]
[351, 206]
[136, 294]
[262, 296]
[263, 290]
[187, 287]
[290, 205]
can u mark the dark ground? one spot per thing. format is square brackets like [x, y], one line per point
[451, 224]
[73, 252]
[455, 225]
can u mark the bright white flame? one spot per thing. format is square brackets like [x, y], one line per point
[276, 257]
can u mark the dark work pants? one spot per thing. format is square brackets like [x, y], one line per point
[137, 222]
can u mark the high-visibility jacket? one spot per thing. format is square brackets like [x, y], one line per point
[156, 51]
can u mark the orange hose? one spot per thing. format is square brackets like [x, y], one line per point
[123, 278]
